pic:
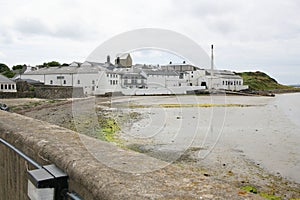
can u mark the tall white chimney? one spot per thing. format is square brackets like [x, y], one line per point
[212, 59]
[212, 67]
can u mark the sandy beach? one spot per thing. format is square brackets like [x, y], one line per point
[253, 140]
[240, 140]
[263, 129]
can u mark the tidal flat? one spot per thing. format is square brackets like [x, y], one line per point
[248, 142]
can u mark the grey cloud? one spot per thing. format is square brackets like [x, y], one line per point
[65, 29]
[31, 26]
[222, 26]
[6, 37]
[75, 30]
[204, 8]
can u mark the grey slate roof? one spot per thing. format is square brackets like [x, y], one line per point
[68, 70]
[161, 72]
[132, 75]
[4, 79]
[223, 74]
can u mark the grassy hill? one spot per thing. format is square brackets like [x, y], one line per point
[261, 81]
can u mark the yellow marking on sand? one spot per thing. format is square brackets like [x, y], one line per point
[205, 105]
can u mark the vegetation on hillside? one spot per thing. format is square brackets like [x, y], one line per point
[16, 69]
[5, 71]
[261, 81]
[8, 74]
[52, 64]
[3, 68]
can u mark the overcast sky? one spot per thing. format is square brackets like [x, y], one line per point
[248, 35]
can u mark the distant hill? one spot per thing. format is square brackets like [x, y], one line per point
[297, 86]
[261, 81]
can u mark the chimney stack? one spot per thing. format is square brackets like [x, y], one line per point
[212, 58]
[212, 67]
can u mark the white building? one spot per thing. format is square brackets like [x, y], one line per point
[222, 80]
[102, 78]
[7, 85]
[92, 77]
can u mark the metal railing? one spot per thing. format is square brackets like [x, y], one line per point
[71, 195]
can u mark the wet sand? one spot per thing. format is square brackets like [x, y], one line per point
[262, 131]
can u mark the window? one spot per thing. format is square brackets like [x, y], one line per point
[107, 75]
[223, 83]
[116, 82]
[134, 81]
[65, 82]
[1, 86]
[13, 87]
[78, 81]
[9, 86]
[181, 76]
[60, 77]
[192, 76]
[5, 87]
[93, 81]
[51, 82]
[111, 82]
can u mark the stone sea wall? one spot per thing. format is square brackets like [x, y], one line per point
[118, 174]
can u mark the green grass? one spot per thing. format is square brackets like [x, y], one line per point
[261, 81]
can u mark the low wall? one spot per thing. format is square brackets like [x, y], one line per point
[92, 178]
[46, 92]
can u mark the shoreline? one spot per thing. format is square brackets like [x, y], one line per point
[227, 162]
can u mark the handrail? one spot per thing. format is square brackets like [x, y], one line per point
[72, 195]
[20, 153]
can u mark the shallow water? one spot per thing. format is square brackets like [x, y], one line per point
[290, 105]
[267, 132]
[269, 135]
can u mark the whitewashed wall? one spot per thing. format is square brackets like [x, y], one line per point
[8, 87]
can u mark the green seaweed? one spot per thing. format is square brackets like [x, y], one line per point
[108, 129]
[269, 196]
[249, 188]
